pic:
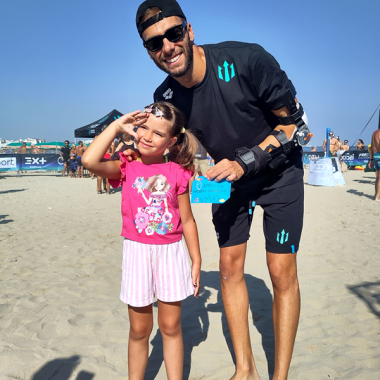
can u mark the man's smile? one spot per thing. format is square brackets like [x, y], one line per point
[175, 59]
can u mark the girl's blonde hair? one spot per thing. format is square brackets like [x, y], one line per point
[186, 141]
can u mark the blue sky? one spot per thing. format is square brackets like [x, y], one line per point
[66, 63]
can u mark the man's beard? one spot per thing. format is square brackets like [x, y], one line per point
[189, 56]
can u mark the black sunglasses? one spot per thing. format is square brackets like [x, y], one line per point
[173, 35]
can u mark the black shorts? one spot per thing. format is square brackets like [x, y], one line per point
[79, 161]
[282, 221]
[66, 160]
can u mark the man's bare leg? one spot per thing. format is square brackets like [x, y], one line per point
[377, 186]
[236, 303]
[286, 309]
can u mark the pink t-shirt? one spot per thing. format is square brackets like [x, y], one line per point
[149, 204]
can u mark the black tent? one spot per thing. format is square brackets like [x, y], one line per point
[95, 128]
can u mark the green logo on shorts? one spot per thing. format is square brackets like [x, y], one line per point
[284, 238]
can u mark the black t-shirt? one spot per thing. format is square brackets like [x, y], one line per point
[231, 107]
[65, 152]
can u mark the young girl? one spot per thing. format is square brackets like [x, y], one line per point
[156, 212]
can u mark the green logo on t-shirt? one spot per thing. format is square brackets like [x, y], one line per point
[227, 75]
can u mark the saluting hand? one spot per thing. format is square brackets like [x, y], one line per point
[129, 121]
[230, 170]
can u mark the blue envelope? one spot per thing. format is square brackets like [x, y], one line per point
[205, 191]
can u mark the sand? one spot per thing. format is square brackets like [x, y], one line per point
[61, 319]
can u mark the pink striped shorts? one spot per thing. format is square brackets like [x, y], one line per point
[150, 270]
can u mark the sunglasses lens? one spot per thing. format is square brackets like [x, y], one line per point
[154, 43]
[173, 35]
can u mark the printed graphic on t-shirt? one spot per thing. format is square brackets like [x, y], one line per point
[154, 215]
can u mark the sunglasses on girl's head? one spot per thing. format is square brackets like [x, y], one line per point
[173, 35]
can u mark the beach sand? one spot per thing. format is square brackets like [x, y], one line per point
[60, 267]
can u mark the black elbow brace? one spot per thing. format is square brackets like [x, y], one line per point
[253, 160]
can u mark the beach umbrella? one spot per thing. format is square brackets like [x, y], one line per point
[50, 145]
[18, 144]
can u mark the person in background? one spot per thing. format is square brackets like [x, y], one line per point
[65, 154]
[35, 150]
[126, 142]
[360, 145]
[334, 144]
[314, 149]
[200, 162]
[103, 180]
[374, 161]
[345, 145]
[113, 146]
[73, 161]
[22, 149]
[79, 152]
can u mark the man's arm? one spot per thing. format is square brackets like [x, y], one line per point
[371, 151]
[232, 170]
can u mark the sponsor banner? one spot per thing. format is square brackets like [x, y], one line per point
[355, 157]
[307, 156]
[32, 162]
[41, 162]
[350, 157]
[9, 162]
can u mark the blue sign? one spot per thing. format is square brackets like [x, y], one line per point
[205, 191]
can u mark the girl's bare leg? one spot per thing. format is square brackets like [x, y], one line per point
[169, 321]
[141, 324]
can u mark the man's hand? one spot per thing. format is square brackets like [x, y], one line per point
[371, 164]
[129, 121]
[230, 170]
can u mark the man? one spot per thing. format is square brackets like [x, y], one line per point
[374, 161]
[334, 144]
[232, 95]
[345, 145]
[65, 154]
[80, 150]
[35, 150]
[22, 149]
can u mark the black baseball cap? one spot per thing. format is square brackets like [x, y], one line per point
[168, 8]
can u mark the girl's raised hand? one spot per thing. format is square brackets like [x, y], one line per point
[129, 121]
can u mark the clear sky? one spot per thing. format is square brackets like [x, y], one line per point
[66, 63]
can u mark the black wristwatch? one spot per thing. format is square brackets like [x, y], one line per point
[245, 158]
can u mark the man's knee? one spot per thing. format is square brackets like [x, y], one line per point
[232, 261]
[283, 275]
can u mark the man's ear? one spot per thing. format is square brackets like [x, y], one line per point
[190, 31]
